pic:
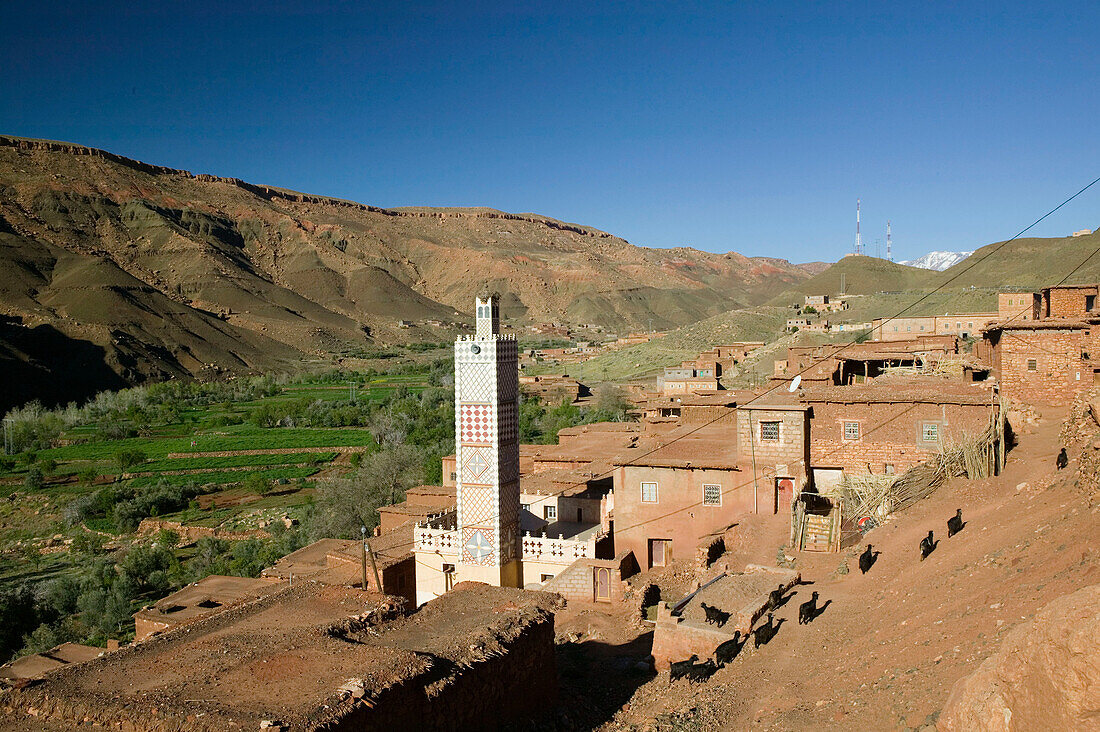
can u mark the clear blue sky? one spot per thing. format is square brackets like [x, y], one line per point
[726, 126]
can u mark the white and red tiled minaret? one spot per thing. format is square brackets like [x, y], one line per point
[487, 450]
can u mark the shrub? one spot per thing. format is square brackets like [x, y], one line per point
[257, 483]
[34, 479]
[88, 542]
[128, 458]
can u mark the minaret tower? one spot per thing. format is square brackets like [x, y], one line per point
[487, 450]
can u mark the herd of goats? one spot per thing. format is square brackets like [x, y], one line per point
[697, 672]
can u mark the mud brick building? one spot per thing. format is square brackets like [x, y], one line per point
[1044, 361]
[1048, 352]
[1019, 305]
[891, 425]
[197, 600]
[774, 435]
[1069, 301]
[553, 388]
[840, 364]
[672, 490]
[962, 325]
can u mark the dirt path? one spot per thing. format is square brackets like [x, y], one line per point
[891, 644]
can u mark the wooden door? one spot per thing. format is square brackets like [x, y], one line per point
[784, 493]
[603, 584]
[660, 551]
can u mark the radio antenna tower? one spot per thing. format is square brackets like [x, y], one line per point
[859, 241]
[889, 254]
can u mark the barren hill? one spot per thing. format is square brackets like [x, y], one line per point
[172, 273]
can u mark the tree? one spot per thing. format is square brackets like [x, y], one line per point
[257, 483]
[343, 505]
[31, 554]
[48, 465]
[127, 458]
[88, 542]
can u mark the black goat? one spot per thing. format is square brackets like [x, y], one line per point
[955, 523]
[714, 615]
[700, 672]
[775, 598]
[680, 669]
[807, 611]
[1061, 461]
[926, 545]
[728, 651]
[764, 633]
[866, 559]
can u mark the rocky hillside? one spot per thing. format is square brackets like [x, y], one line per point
[163, 273]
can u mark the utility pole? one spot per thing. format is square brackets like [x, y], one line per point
[363, 531]
[889, 254]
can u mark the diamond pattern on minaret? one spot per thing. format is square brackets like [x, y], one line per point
[477, 505]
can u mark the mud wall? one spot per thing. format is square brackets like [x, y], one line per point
[497, 693]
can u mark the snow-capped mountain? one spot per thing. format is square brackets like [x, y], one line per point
[938, 261]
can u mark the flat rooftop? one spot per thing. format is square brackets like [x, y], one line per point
[285, 656]
[902, 390]
[712, 446]
[36, 665]
[203, 597]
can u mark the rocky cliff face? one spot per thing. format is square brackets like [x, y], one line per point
[1045, 676]
[173, 273]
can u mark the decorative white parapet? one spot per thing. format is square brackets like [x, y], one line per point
[444, 541]
[566, 551]
[437, 534]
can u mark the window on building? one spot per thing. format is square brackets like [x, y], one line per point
[908, 328]
[769, 432]
[649, 492]
[851, 430]
[550, 513]
[1032, 365]
[888, 468]
[930, 432]
[454, 475]
[525, 506]
[546, 577]
[712, 495]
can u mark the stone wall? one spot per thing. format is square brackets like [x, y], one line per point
[1067, 302]
[190, 534]
[788, 456]
[499, 692]
[1059, 371]
[889, 434]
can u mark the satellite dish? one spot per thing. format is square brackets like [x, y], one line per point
[794, 383]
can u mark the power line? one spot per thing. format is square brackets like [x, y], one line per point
[972, 262]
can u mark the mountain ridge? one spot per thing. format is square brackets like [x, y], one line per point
[177, 274]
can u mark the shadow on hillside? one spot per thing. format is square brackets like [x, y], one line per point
[596, 680]
[45, 364]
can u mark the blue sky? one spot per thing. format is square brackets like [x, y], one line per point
[750, 127]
